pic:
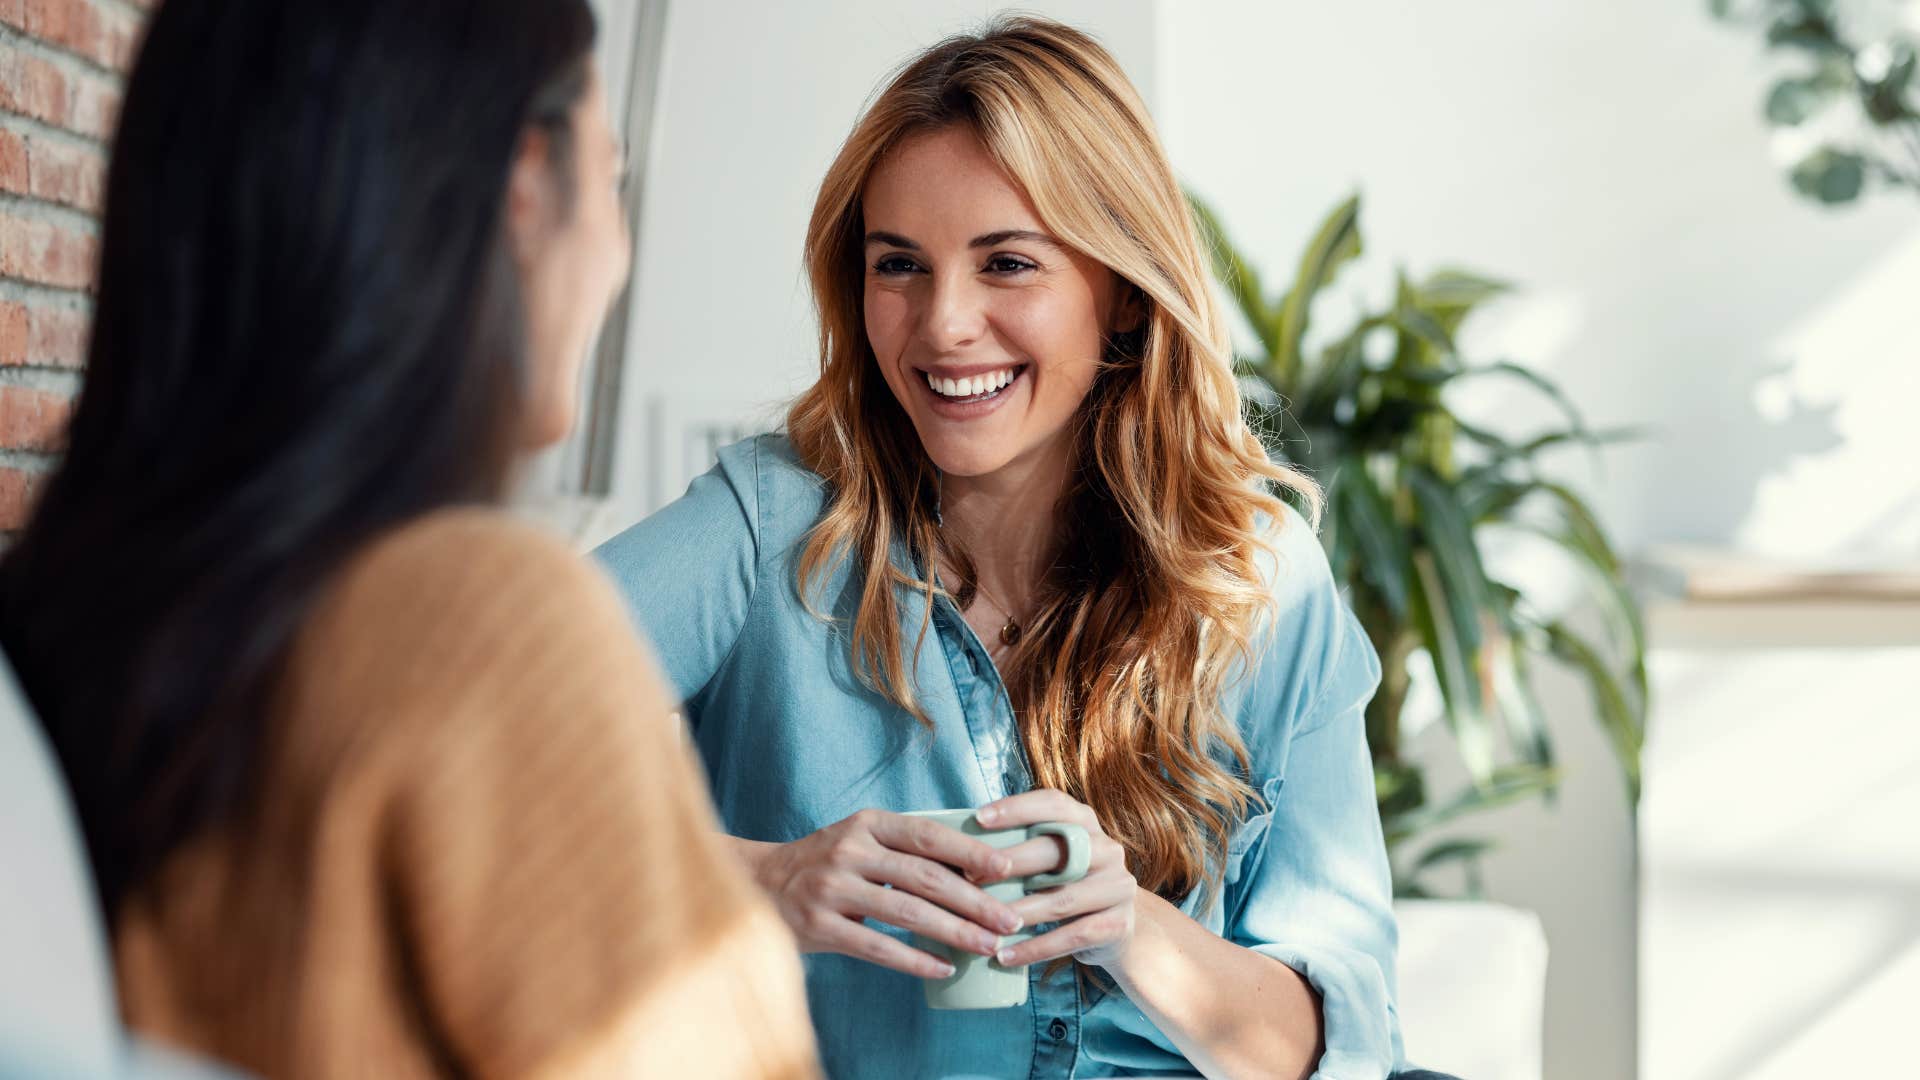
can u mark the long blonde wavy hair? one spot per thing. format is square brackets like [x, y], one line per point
[1117, 679]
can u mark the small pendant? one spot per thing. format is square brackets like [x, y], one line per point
[1010, 633]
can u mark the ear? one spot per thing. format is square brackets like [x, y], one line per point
[529, 194]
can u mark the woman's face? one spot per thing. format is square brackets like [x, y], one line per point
[988, 330]
[573, 255]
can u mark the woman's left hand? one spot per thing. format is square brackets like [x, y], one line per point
[1096, 912]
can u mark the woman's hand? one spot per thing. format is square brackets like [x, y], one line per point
[824, 884]
[1097, 912]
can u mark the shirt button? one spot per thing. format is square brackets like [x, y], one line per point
[1057, 1029]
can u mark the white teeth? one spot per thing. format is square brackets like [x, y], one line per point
[972, 386]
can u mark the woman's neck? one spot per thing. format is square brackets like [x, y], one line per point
[1008, 522]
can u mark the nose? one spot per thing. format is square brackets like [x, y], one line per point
[954, 313]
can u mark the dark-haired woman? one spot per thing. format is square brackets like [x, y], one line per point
[374, 781]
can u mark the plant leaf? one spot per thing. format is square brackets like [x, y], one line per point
[1830, 176]
[1520, 710]
[1454, 665]
[1451, 294]
[1335, 244]
[1237, 274]
[1378, 539]
[1508, 784]
[1793, 100]
[1337, 376]
[1610, 701]
[1448, 533]
[1448, 851]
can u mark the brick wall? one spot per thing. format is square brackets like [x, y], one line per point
[60, 78]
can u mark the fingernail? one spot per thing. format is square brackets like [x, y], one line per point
[1005, 957]
[1000, 866]
[1010, 923]
[985, 944]
[945, 971]
[986, 815]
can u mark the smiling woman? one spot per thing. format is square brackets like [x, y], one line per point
[1020, 553]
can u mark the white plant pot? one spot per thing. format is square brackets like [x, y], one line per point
[1473, 980]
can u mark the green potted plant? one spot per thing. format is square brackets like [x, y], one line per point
[1412, 489]
[1851, 94]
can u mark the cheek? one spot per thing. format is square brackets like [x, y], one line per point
[889, 322]
[1060, 336]
[610, 243]
[888, 316]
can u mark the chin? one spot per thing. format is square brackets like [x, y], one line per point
[968, 456]
[546, 427]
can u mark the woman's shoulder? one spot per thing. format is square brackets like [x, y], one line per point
[463, 559]
[455, 597]
[1311, 657]
[758, 493]
[788, 497]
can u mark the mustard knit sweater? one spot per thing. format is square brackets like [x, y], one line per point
[480, 849]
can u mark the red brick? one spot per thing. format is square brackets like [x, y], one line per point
[18, 489]
[93, 107]
[50, 20]
[121, 39]
[67, 174]
[97, 30]
[37, 335]
[14, 173]
[33, 419]
[46, 254]
[16, 333]
[57, 338]
[32, 87]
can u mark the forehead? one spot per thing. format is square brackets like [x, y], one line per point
[941, 182]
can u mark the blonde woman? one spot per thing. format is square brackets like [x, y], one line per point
[1019, 551]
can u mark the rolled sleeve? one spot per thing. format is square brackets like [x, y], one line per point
[1313, 888]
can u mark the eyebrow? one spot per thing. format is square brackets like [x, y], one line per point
[991, 239]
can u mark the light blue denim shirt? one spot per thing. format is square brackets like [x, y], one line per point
[793, 742]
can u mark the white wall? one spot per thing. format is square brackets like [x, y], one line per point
[1610, 158]
[1781, 867]
[755, 101]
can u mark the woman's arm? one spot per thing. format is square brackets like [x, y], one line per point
[1231, 1011]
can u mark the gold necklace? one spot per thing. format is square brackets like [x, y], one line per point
[1010, 633]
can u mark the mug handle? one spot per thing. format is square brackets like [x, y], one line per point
[1079, 854]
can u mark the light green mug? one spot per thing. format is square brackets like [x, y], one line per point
[979, 982]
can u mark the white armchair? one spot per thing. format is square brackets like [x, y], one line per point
[1473, 979]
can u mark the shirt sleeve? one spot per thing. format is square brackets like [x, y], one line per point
[1313, 888]
[688, 572]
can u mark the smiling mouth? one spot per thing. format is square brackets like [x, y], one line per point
[983, 387]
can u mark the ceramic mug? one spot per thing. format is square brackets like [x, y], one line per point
[980, 982]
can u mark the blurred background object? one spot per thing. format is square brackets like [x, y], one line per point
[1844, 109]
